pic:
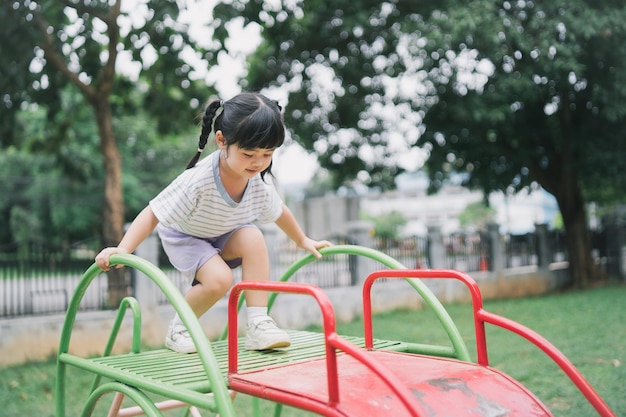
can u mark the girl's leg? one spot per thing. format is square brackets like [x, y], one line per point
[214, 280]
[249, 245]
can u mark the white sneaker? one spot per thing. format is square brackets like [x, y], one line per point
[179, 340]
[263, 334]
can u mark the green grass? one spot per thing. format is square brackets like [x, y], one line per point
[589, 327]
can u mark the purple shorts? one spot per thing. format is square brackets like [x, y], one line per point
[188, 253]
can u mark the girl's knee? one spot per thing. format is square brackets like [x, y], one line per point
[251, 235]
[217, 280]
[224, 281]
[243, 242]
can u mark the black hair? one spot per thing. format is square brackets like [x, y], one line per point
[248, 120]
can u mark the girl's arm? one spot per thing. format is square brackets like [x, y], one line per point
[139, 230]
[288, 224]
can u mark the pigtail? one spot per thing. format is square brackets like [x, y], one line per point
[207, 128]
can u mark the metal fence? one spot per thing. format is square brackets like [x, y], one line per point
[33, 282]
[337, 271]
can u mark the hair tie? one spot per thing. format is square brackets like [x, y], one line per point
[200, 150]
[221, 103]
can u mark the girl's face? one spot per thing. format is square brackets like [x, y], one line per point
[244, 162]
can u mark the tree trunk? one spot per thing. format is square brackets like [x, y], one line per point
[113, 207]
[98, 94]
[582, 267]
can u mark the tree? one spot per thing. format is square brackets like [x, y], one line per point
[388, 226]
[52, 192]
[548, 111]
[507, 93]
[78, 43]
[53, 197]
[477, 215]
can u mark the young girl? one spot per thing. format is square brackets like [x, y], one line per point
[209, 210]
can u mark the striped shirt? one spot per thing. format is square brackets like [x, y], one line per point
[197, 204]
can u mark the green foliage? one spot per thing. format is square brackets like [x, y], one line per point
[477, 215]
[388, 225]
[530, 93]
[48, 182]
[61, 99]
[151, 161]
[42, 205]
[543, 105]
[320, 185]
[334, 107]
[18, 83]
[155, 43]
[509, 94]
[52, 183]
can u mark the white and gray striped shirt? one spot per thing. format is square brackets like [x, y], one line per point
[197, 204]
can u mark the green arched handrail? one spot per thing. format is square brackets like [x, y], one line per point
[431, 300]
[223, 402]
